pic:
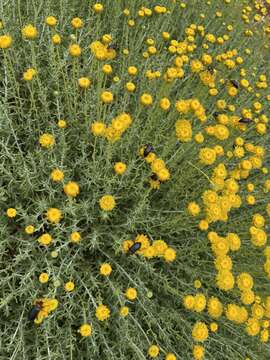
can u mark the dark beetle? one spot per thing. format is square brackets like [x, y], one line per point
[135, 247]
[33, 313]
[148, 148]
[245, 121]
[211, 69]
[154, 177]
[215, 114]
[234, 83]
[113, 47]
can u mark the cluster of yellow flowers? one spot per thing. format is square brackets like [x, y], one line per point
[223, 151]
[160, 172]
[114, 131]
[191, 105]
[158, 248]
[101, 50]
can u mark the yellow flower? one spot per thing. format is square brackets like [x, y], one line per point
[200, 331]
[247, 297]
[57, 175]
[131, 293]
[69, 286]
[236, 313]
[258, 236]
[107, 69]
[75, 237]
[118, 125]
[45, 239]
[106, 39]
[11, 212]
[207, 156]
[165, 104]
[160, 247]
[54, 215]
[196, 66]
[264, 336]
[193, 209]
[98, 8]
[183, 130]
[170, 356]
[153, 351]
[105, 269]
[120, 168]
[29, 229]
[157, 165]
[46, 140]
[232, 91]
[29, 32]
[203, 225]
[258, 220]
[51, 21]
[198, 352]
[132, 70]
[56, 39]
[74, 50]
[163, 174]
[43, 278]
[62, 124]
[199, 302]
[189, 302]
[253, 327]
[146, 99]
[170, 254]
[5, 41]
[102, 312]
[149, 252]
[85, 330]
[126, 245]
[124, 310]
[130, 86]
[213, 327]
[71, 189]
[29, 74]
[234, 241]
[182, 106]
[107, 203]
[257, 311]
[244, 281]
[225, 280]
[77, 23]
[107, 97]
[214, 307]
[52, 304]
[84, 82]
[223, 262]
[98, 128]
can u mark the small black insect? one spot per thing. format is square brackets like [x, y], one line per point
[245, 120]
[33, 313]
[234, 83]
[148, 148]
[211, 69]
[135, 247]
[113, 47]
[215, 114]
[154, 177]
